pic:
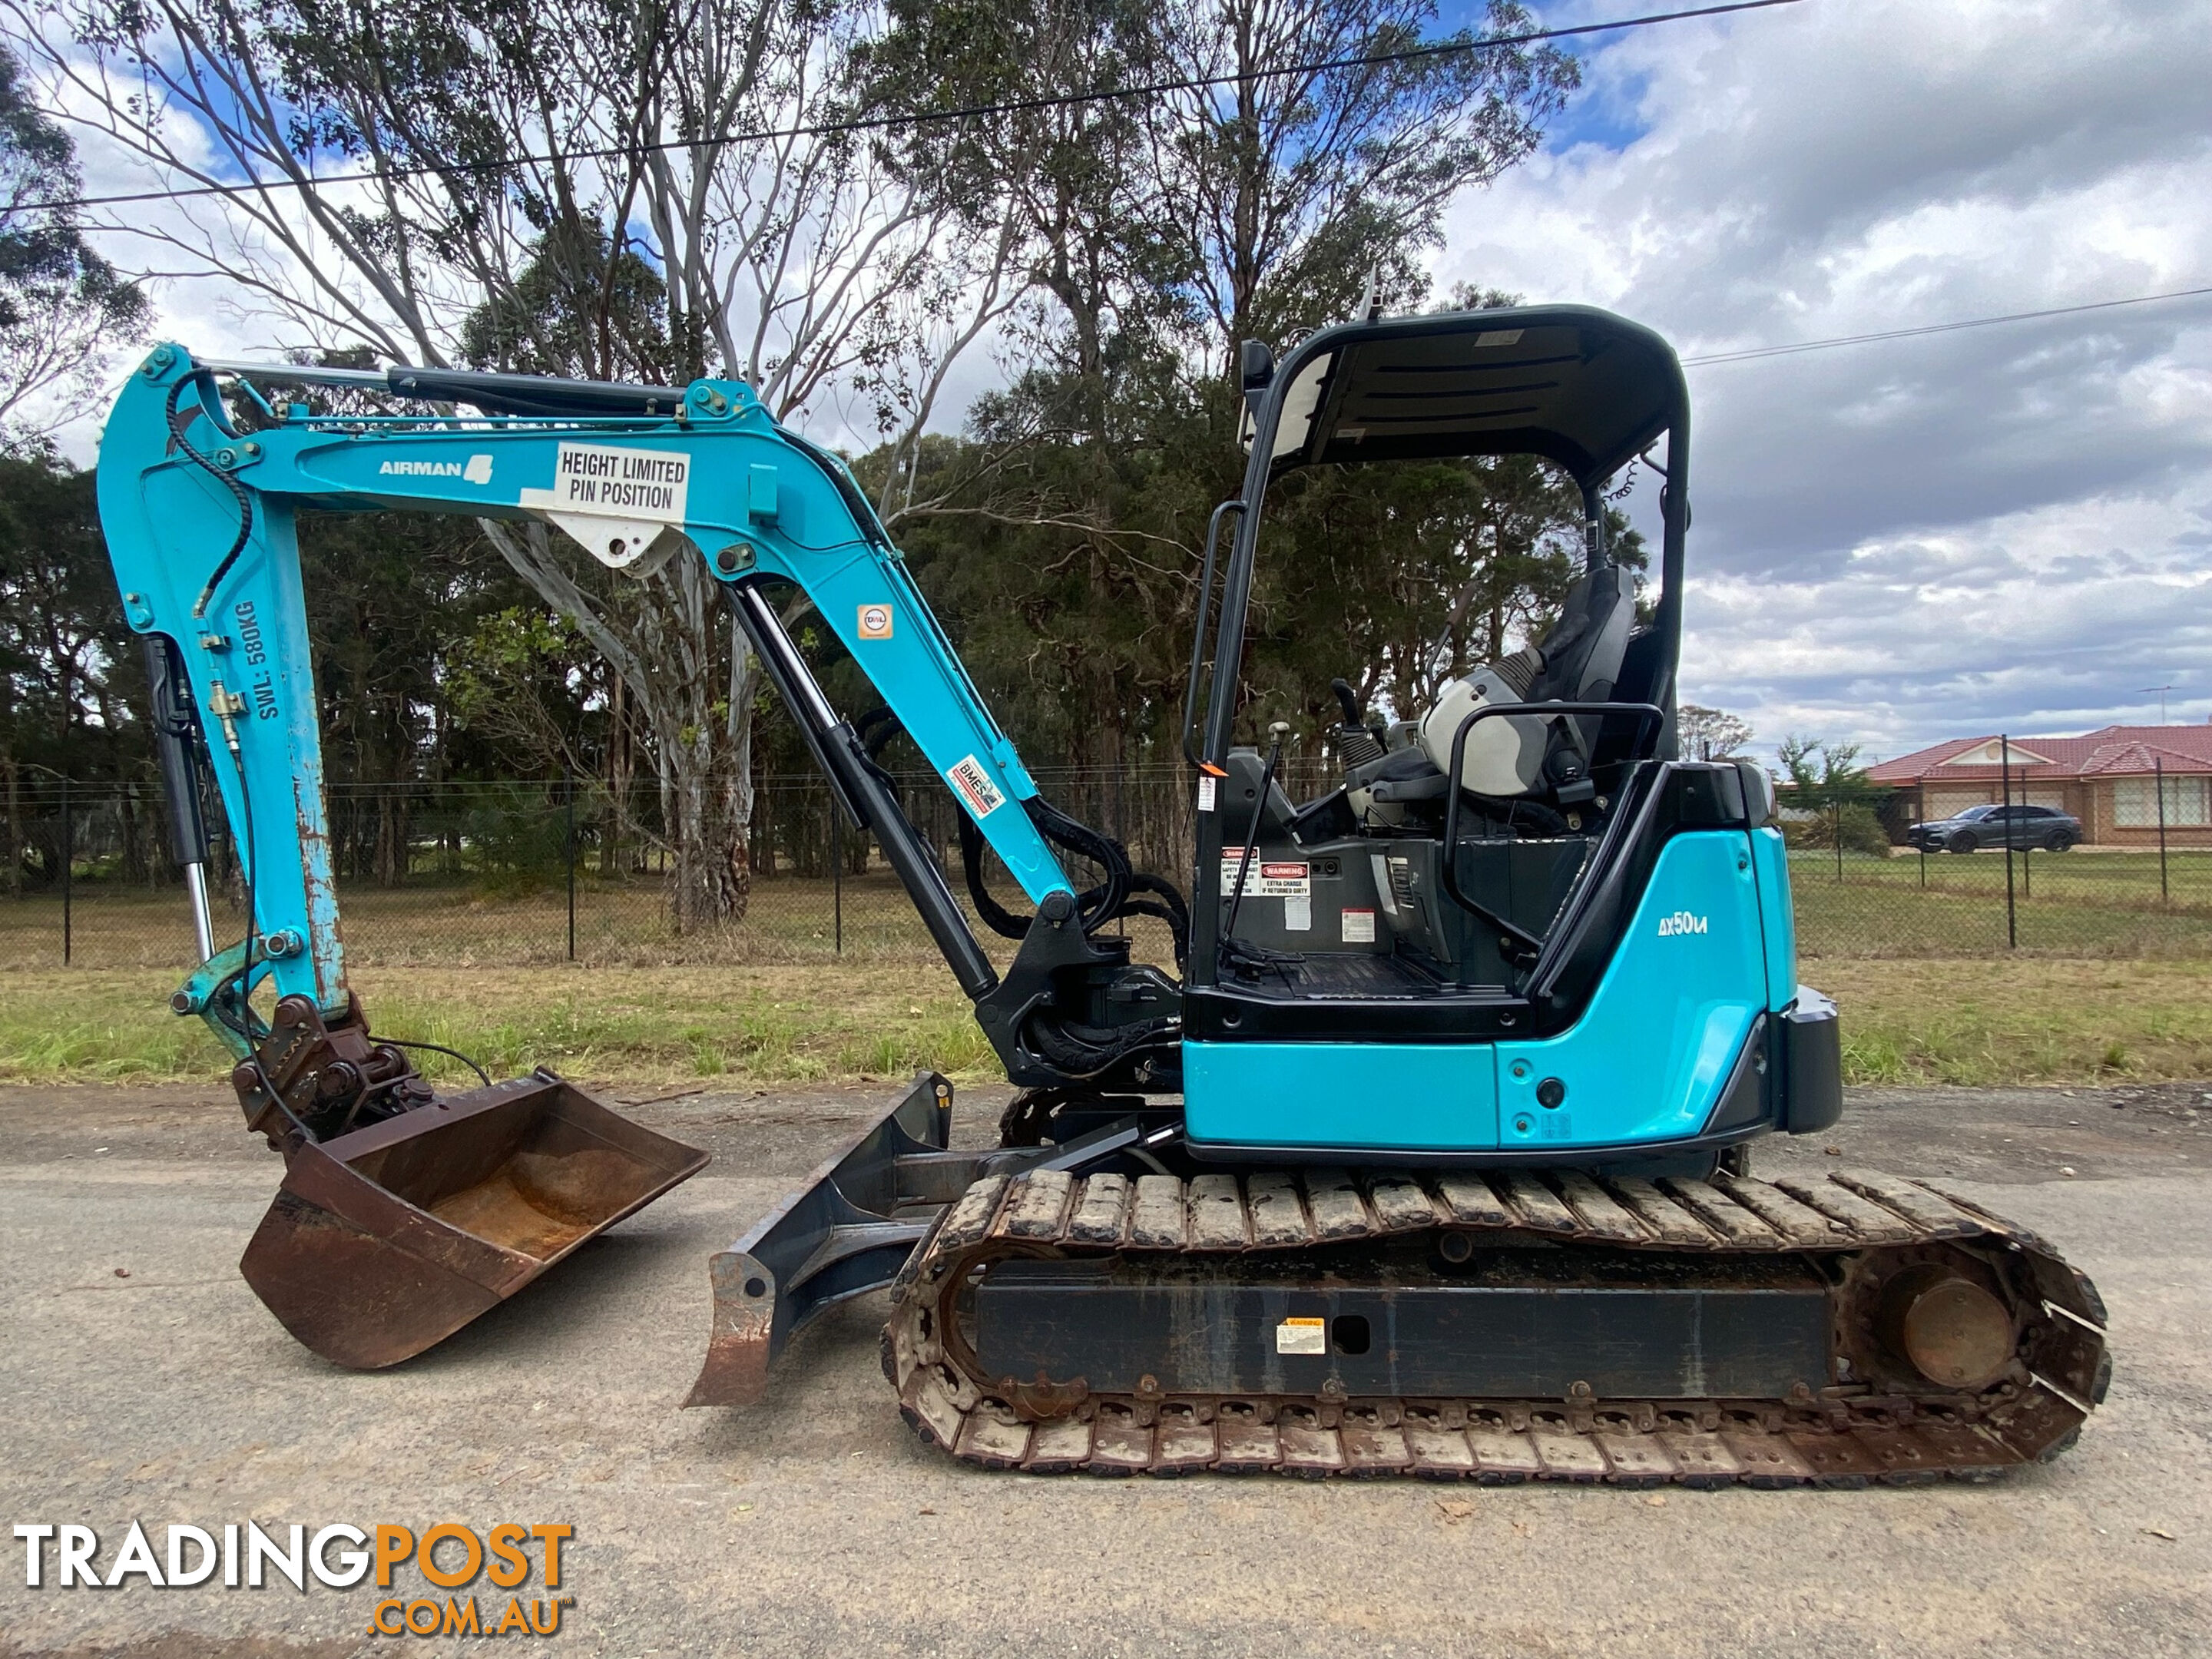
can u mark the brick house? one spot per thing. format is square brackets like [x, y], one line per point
[2104, 778]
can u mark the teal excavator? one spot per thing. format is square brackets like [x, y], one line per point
[1429, 1151]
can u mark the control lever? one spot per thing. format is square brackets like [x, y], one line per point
[1231, 948]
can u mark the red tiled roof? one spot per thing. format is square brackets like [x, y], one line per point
[2110, 751]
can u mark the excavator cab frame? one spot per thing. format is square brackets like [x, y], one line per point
[1451, 982]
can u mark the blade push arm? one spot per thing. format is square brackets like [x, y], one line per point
[199, 520]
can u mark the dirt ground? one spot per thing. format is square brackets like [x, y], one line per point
[814, 1524]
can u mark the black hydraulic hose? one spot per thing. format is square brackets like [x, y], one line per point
[877, 728]
[996, 917]
[438, 1048]
[1103, 850]
[243, 497]
[1085, 1050]
[1172, 909]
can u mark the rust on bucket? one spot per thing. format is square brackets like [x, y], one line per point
[386, 1240]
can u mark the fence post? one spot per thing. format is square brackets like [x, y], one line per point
[68, 858]
[2158, 783]
[837, 876]
[571, 861]
[1837, 816]
[2004, 818]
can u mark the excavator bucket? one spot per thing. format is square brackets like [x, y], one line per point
[386, 1241]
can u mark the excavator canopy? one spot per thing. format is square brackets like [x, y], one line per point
[1578, 386]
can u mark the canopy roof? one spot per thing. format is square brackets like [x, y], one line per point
[1576, 385]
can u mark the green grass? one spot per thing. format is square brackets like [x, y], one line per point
[2074, 904]
[2077, 904]
[742, 1024]
[791, 921]
[2035, 1020]
[1973, 1022]
[2109, 980]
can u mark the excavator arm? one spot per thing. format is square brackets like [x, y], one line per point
[200, 525]
[405, 1214]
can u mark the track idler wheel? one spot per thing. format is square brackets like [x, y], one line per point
[1954, 1331]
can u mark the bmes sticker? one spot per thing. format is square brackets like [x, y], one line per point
[974, 786]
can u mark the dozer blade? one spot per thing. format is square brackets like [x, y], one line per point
[848, 1231]
[386, 1240]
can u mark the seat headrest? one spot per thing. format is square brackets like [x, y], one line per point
[1583, 652]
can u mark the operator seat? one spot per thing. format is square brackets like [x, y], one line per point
[1578, 661]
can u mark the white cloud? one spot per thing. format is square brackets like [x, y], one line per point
[1895, 543]
[2007, 527]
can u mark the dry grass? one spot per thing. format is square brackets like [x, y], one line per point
[1977, 1022]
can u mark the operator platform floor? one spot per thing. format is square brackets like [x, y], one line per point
[814, 1524]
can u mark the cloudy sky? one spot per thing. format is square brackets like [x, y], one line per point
[1998, 528]
[2001, 528]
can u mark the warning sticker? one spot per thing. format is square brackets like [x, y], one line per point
[617, 483]
[974, 786]
[1267, 880]
[875, 622]
[1359, 927]
[1301, 1336]
[1297, 916]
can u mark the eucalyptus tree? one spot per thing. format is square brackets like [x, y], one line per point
[641, 189]
[62, 306]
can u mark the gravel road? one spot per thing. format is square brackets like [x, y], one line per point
[815, 1524]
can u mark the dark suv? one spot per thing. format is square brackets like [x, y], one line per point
[2046, 828]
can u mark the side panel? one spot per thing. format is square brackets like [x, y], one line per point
[1770, 862]
[1648, 1057]
[1644, 1064]
[1335, 1094]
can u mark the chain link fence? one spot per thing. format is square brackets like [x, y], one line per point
[522, 874]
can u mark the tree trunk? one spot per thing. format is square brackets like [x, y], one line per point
[12, 846]
[390, 837]
[618, 778]
[662, 637]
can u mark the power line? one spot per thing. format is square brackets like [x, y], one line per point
[1754, 353]
[915, 118]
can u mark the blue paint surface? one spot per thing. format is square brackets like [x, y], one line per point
[1402, 1096]
[1644, 1064]
[1770, 862]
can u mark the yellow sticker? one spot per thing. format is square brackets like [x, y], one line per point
[1301, 1336]
[875, 622]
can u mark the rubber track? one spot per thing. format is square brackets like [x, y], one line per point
[1843, 1437]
